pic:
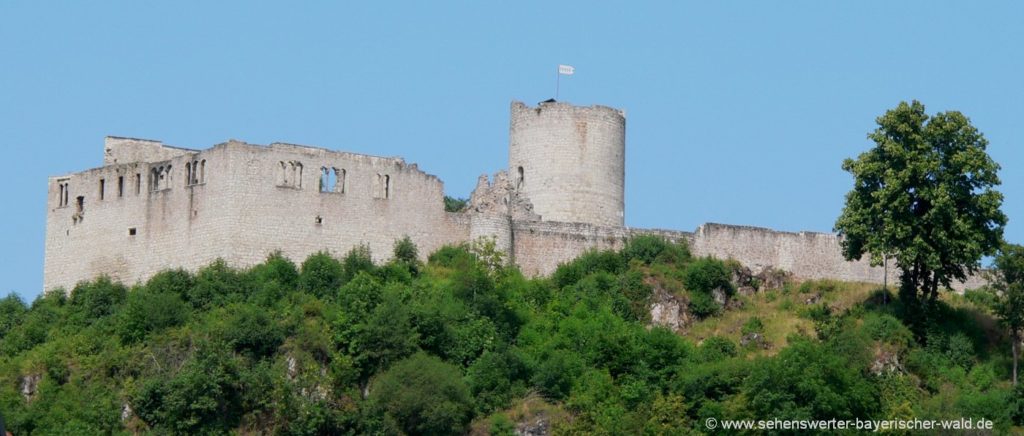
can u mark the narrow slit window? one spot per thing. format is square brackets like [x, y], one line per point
[202, 171]
[387, 186]
[120, 186]
[341, 179]
[188, 174]
[103, 185]
[138, 183]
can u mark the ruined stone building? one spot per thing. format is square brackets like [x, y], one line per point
[153, 206]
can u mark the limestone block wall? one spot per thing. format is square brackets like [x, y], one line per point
[375, 201]
[569, 161]
[541, 246]
[145, 220]
[244, 202]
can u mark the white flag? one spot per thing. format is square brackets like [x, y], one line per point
[566, 70]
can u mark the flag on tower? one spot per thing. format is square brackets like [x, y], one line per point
[566, 70]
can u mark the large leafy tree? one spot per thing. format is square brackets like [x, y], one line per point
[923, 196]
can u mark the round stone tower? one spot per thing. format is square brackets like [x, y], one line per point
[570, 161]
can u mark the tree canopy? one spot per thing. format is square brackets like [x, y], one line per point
[923, 195]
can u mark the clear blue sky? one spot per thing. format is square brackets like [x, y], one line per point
[738, 112]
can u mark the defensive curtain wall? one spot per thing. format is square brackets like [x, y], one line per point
[153, 206]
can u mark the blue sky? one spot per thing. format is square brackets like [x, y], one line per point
[738, 112]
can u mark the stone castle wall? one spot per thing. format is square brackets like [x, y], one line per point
[246, 202]
[153, 207]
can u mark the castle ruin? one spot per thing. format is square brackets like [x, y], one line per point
[152, 207]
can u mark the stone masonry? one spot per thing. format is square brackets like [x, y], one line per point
[152, 207]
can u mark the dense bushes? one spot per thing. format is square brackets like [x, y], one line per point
[345, 346]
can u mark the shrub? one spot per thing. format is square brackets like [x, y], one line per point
[452, 256]
[753, 325]
[322, 275]
[716, 348]
[960, 350]
[356, 260]
[12, 311]
[97, 299]
[251, 330]
[217, 285]
[588, 263]
[278, 270]
[496, 378]
[887, 328]
[706, 274]
[649, 249]
[423, 395]
[405, 251]
[176, 281]
[453, 204]
[146, 312]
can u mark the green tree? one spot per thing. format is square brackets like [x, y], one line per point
[91, 301]
[12, 311]
[453, 204]
[923, 196]
[321, 275]
[359, 258]
[1008, 280]
[145, 312]
[423, 395]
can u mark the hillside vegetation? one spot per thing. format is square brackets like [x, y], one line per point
[465, 344]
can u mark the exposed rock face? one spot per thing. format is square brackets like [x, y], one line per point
[886, 362]
[29, 384]
[668, 310]
[536, 426]
[747, 282]
[720, 297]
[126, 411]
[756, 339]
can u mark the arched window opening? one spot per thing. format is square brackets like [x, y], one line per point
[155, 175]
[202, 171]
[519, 178]
[80, 204]
[387, 186]
[188, 173]
[323, 179]
[298, 175]
[283, 180]
[340, 175]
[61, 195]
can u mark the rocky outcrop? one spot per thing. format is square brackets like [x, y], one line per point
[536, 426]
[29, 385]
[747, 282]
[755, 339]
[668, 310]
